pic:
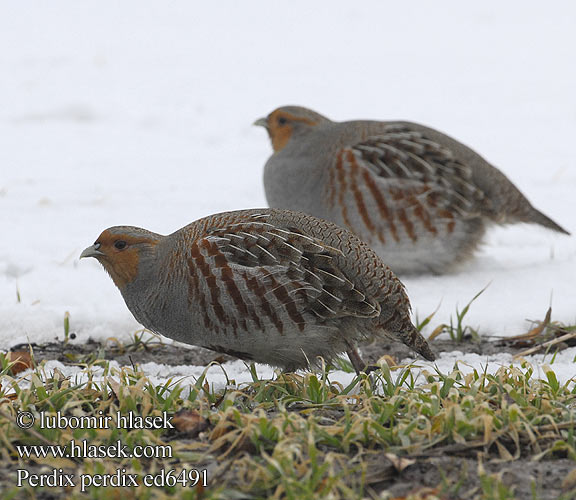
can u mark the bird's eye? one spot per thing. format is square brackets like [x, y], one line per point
[97, 245]
[120, 245]
[282, 120]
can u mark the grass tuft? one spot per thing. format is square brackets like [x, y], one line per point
[457, 330]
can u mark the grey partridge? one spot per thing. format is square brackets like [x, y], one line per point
[271, 286]
[419, 198]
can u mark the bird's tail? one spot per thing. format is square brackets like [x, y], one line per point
[525, 212]
[414, 339]
[539, 218]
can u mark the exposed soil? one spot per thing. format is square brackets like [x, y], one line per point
[144, 353]
[158, 352]
[373, 352]
[522, 476]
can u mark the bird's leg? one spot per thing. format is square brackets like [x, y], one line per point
[357, 361]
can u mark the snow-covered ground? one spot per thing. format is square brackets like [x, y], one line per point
[140, 113]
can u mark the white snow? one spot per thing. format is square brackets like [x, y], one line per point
[140, 113]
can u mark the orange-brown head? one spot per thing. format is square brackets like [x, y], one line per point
[121, 249]
[287, 121]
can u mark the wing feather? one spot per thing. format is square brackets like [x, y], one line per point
[294, 268]
[405, 162]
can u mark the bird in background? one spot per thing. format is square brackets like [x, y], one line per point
[421, 199]
[264, 285]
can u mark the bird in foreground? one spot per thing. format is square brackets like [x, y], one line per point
[419, 198]
[270, 286]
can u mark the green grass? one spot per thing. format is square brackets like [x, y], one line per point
[456, 329]
[298, 436]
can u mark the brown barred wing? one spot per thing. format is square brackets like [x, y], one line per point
[274, 270]
[399, 179]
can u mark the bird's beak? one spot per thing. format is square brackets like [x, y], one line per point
[261, 122]
[92, 251]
